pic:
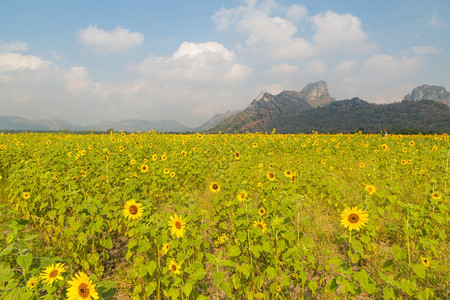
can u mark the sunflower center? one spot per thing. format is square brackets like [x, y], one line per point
[353, 218]
[260, 226]
[425, 260]
[271, 175]
[53, 274]
[178, 224]
[133, 209]
[83, 290]
[215, 186]
[174, 267]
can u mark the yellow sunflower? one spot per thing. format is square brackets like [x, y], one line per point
[271, 176]
[144, 168]
[288, 173]
[242, 195]
[214, 187]
[26, 195]
[81, 288]
[425, 261]
[261, 211]
[174, 267]
[177, 226]
[132, 209]
[32, 283]
[261, 225]
[436, 195]
[165, 248]
[370, 189]
[354, 218]
[52, 273]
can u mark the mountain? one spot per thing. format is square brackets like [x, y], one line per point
[139, 125]
[356, 114]
[215, 120]
[16, 123]
[429, 92]
[268, 109]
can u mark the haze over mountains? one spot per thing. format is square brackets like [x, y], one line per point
[425, 109]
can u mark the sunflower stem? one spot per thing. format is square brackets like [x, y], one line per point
[407, 238]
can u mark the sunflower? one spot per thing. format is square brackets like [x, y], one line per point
[288, 173]
[164, 157]
[436, 195]
[26, 195]
[385, 147]
[132, 210]
[237, 155]
[214, 187]
[242, 195]
[52, 273]
[261, 211]
[354, 218]
[32, 283]
[425, 261]
[271, 176]
[174, 267]
[81, 288]
[411, 143]
[370, 189]
[177, 225]
[260, 224]
[144, 168]
[165, 248]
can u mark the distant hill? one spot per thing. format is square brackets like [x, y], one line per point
[314, 109]
[263, 113]
[429, 92]
[355, 114]
[215, 120]
[16, 123]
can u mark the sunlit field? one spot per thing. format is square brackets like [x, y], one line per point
[244, 216]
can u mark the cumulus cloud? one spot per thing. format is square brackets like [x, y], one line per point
[385, 66]
[100, 41]
[195, 62]
[13, 46]
[277, 38]
[346, 66]
[334, 31]
[424, 50]
[15, 61]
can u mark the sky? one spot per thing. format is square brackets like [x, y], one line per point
[88, 61]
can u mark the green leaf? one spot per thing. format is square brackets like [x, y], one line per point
[24, 261]
[211, 258]
[7, 250]
[218, 276]
[187, 288]
[226, 288]
[246, 270]
[142, 271]
[199, 274]
[331, 285]
[234, 251]
[254, 249]
[271, 273]
[388, 265]
[106, 242]
[420, 270]
[144, 246]
[151, 267]
[150, 288]
[388, 293]
[399, 253]
[6, 274]
[313, 286]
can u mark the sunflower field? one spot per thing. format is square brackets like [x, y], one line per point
[224, 216]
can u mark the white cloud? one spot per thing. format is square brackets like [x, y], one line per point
[192, 62]
[346, 67]
[100, 41]
[283, 69]
[316, 67]
[424, 50]
[15, 61]
[383, 66]
[335, 31]
[77, 79]
[278, 38]
[13, 46]
[435, 21]
[296, 13]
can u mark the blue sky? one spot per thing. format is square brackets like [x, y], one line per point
[87, 61]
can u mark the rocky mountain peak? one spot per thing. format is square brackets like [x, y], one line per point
[429, 92]
[316, 94]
